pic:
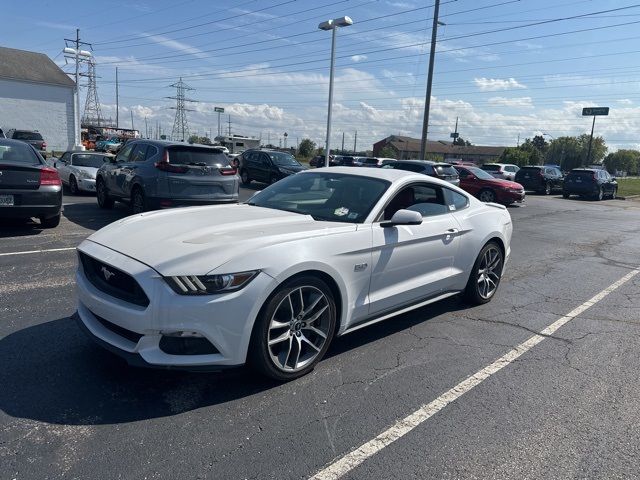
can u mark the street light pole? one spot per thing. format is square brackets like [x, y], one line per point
[427, 100]
[332, 25]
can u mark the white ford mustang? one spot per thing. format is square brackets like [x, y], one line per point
[272, 281]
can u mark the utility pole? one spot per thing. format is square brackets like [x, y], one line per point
[427, 100]
[355, 143]
[593, 125]
[229, 125]
[76, 55]
[131, 111]
[180, 124]
[518, 144]
[117, 102]
[342, 151]
[146, 128]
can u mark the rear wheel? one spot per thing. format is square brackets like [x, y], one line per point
[547, 189]
[51, 222]
[138, 200]
[102, 194]
[565, 195]
[485, 275]
[294, 329]
[599, 195]
[73, 185]
[614, 193]
[244, 176]
[487, 196]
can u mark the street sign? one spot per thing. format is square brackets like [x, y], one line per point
[218, 109]
[454, 135]
[589, 111]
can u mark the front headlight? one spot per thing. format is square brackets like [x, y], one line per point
[210, 284]
[84, 174]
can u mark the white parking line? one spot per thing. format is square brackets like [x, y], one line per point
[351, 460]
[37, 251]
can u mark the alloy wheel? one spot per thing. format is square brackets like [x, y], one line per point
[600, 194]
[489, 272]
[614, 194]
[487, 196]
[73, 186]
[137, 204]
[547, 189]
[299, 328]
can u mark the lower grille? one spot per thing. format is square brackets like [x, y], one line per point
[187, 346]
[112, 281]
[118, 330]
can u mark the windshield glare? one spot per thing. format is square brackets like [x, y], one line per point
[325, 196]
[85, 160]
[481, 174]
[18, 152]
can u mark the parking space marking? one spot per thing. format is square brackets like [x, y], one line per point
[8, 254]
[351, 460]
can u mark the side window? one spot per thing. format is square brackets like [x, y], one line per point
[66, 158]
[151, 152]
[463, 174]
[264, 159]
[455, 200]
[428, 200]
[123, 156]
[138, 153]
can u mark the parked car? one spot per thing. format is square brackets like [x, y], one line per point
[108, 145]
[78, 170]
[487, 188]
[28, 186]
[267, 166]
[151, 174]
[317, 161]
[386, 161]
[544, 180]
[33, 137]
[272, 281]
[443, 171]
[371, 162]
[344, 161]
[505, 171]
[595, 183]
[2, 135]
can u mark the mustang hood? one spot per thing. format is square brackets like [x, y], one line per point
[197, 240]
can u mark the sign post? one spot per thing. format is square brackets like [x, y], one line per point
[595, 111]
[219, 110]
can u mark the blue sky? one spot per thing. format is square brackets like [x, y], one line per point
[505, 68]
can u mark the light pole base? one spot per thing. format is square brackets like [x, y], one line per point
[79, 148]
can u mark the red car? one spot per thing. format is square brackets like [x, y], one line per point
[487, 188]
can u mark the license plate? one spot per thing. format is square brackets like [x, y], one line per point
[526, 176]
[6, 200]
[578, 180]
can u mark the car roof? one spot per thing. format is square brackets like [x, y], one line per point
[11, 141]
[586, 169]
[425, 162]
[169, 143]
[390, 174]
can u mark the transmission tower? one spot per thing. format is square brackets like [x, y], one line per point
[92, 112]
[180, 124]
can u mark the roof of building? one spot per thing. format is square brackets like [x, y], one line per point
[22, 65]
[408, 144]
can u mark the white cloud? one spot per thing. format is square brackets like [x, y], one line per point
[522, 102]
[406, 5]
[178, 46]
[625, 101]
[358, 58]
[55, 25]
[494, 84]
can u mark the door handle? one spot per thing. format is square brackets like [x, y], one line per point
[450, 233]
[452, 230]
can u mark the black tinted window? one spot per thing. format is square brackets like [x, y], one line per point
[18, 135]
[491, 168]
[138, 154]
[87, 160]
[455, 200]
[151, 151]
[18, 152]
[180, 155]
[410, 167]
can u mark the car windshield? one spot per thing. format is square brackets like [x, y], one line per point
[87, 160]
[18, 152]
[491, 168]
[283, 159]
[371, 161]
[481, 174]
[197, 156]
[325, 196]
[18, 135]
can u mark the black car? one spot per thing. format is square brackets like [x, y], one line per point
[317, 162]
[344, 161]
[540, 179]
[594, 183]
[443, 171]
[28, 186]
[32, 137]
[267, 166]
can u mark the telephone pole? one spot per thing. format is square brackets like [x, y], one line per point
[117, 102]
[427, 100]
[342, 151]
[180, 124]
[229, 125]
[355, 142]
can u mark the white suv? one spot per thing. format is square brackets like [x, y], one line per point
[505, 171]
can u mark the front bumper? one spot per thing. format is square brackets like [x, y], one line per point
[87, 184]
[135, 332]
[508, 197]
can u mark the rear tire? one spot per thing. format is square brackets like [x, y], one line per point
[487, 196]
[102, 195]
[301, 317]
[614, 193]
[547, 189]
[565, 195]
[244, 177]
[51, 222]
[485, 276]
[600, 195]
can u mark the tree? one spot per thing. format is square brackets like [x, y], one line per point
[306, 148]
[197, 139]
[388, 152]
[571, 152]
[540, 144]
[534, 155]
[516, 156]
[623, 161]
[461, 142]
[598, 149]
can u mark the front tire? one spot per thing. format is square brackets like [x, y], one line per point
[293, 330]
[73, 185]
[102, 194]
[565, 195]
[138, 201]
[485, 275]
[244, 176]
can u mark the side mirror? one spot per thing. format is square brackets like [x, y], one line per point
[403, 217]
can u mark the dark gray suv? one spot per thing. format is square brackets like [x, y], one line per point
[150, 174]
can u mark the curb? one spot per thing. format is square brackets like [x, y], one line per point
[627, 197]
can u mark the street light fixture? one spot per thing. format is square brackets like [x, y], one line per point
[332, 25]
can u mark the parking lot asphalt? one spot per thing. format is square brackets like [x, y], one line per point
[563, 408]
